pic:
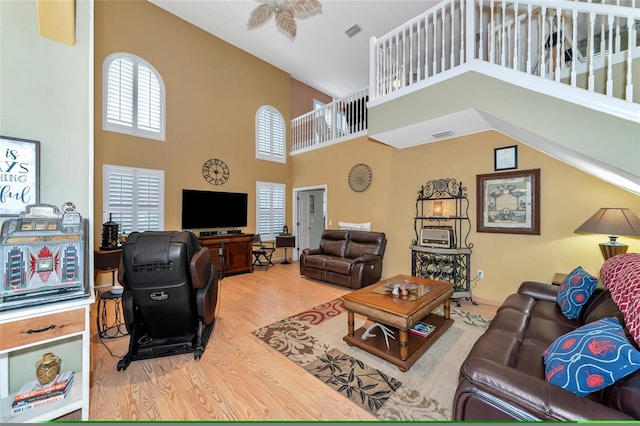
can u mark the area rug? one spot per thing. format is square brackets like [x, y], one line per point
[313, 340]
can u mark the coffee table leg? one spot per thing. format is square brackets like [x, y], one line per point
[350, 323]
[404, 348]
[447, 308]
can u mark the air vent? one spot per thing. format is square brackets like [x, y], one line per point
[443, 134]
[353, 30]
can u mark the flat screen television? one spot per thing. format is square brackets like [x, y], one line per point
[213, 209]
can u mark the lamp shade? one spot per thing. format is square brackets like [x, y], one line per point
[611, 221]
[614, 222]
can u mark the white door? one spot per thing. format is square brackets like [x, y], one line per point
[304, 222]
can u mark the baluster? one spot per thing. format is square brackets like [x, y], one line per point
[492, 36]
[542, 63]
[419, 67]
[618, 40]
[411, 37]
[481, 41]
[631, 28]
[434, 65]
[559, 44]
[529, 51]
[463, 31]
[502, 35]
[442, 51]
[574, 46]
[516, 23]
[609, 90]
[603, 47]
[591, 41]
[452, 58]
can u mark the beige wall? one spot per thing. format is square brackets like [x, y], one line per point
[213, 92]
[568, 197]
[302, 96]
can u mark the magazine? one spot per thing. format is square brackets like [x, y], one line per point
[422, 328]
[29, 405]
[34, 388]
[29, 400]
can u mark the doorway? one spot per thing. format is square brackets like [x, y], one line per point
[309, 217]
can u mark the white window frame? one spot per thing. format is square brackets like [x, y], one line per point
[135, 208]
[132, 126]
[270, 213]
[273, 149]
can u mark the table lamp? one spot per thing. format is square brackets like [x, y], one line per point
[612, 221]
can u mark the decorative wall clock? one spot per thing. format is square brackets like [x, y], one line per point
[360, 177]
[215, 171]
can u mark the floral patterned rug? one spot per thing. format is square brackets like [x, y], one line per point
[313, 340]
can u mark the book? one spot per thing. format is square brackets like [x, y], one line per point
[34, 388]
[19, 402]
[51, 399]
[422, 328]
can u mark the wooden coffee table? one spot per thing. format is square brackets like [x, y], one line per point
[400, 313]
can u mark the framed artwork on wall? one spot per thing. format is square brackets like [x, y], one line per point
[509, 202]
[505, 158]
[19, 174]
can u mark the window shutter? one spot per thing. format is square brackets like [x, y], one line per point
[120, 93]
[271, 209]
[270, 135]
[149, 106]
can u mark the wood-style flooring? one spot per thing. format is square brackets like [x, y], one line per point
[238, 376]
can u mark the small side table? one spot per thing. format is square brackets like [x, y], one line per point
[110, 328]
[285, 241]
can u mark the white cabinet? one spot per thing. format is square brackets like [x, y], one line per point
[25, 335]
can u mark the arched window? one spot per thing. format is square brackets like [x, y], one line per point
[270, 135]
[133, 97]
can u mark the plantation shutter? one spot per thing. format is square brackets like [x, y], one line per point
[271, 209]
[270, 135]
[120, 93]
[133, 198]
[149, 106]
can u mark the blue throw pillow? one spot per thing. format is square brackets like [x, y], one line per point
[591, 357]
[574, 292]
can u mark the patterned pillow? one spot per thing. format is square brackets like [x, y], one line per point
[621, 275]
[574, 292]
[365, 226]
[591, 357]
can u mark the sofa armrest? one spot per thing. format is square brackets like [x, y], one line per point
[539, 291]
[515, 391]
[310, 252]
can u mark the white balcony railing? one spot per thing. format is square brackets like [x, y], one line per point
[341, 119]
[580, 43]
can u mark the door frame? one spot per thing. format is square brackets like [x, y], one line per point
[295, 206]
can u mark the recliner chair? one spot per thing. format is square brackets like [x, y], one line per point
[170, 294]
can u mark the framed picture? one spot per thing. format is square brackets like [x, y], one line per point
[509, 202]
[312, 204]
[19, 174]
[505, 158]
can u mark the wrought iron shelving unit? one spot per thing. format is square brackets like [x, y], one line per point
[444, 260]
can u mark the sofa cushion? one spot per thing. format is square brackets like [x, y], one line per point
[621, 275]
[574, 292]
[339, 265]
[591, 357]
[334, 242]
[362, 243]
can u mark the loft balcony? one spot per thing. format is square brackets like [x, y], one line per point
[536, 70]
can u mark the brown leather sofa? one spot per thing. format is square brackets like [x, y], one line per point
[349, 258]
[503, 377]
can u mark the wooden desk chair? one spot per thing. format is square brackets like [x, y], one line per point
[262, 252]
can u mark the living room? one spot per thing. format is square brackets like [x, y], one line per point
[213, 93]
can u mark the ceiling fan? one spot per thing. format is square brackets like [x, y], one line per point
[285, 11]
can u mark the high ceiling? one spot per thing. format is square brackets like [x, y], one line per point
[321, 55]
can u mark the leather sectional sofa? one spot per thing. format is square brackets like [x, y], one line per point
[345, 257]
[503, 377]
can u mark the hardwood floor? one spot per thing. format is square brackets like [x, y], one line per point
[238, 376]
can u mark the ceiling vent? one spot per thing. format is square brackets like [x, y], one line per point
[443, 134]
[353, 30]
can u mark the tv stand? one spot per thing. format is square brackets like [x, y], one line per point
[228, 232]
[237, 251]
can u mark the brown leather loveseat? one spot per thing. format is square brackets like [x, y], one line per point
[345, 257]
[503, 377]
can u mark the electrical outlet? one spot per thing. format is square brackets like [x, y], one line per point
[480, 274]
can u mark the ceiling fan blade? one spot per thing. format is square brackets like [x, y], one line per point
[303, 8]
[259, 15]
[286, 23]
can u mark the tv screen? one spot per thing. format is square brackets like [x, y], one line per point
[213, 209]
